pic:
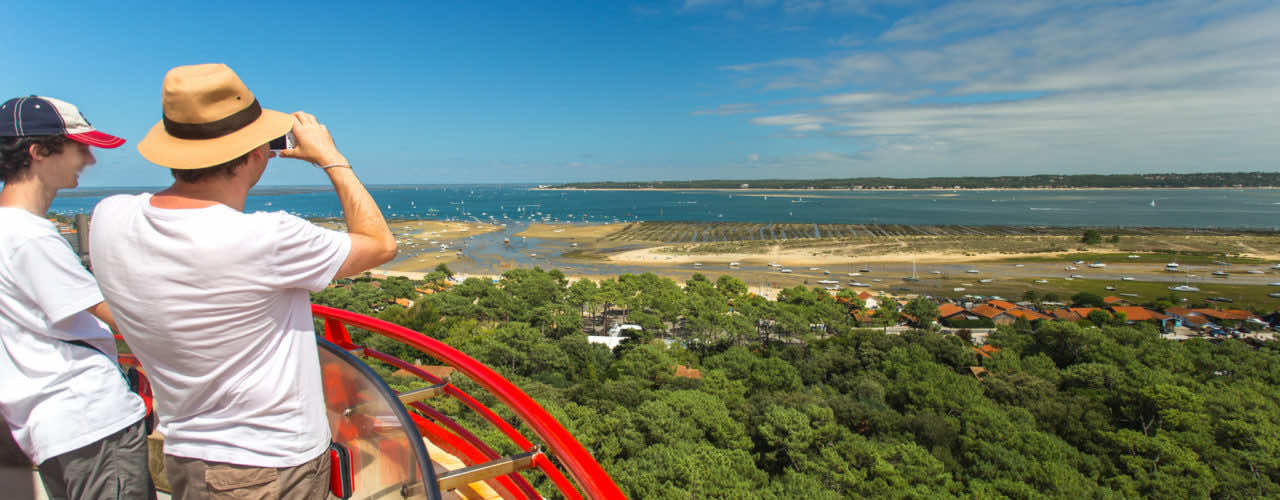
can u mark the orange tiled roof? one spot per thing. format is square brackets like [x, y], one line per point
[1065, 315]
[1228, 314]
[684, 371]
[986, 311]
[1083, 312]
[949, 310]
[1002, 304]
[1026, 313]
[404, 302]
[1180, 311]
[1195, 320]
[1112, 299]
[864, 295]
[1135, 313]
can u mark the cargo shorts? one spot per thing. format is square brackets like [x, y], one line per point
[194, 479]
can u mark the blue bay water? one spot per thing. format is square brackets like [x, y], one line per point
[1197, 208]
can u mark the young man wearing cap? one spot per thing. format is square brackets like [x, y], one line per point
[63, 395]
[215, 301]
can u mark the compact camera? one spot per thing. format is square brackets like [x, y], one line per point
[286, 141]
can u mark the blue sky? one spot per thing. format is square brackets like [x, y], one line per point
[461, 92]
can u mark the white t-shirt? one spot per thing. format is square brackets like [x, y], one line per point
[56, 396]
[215, 304]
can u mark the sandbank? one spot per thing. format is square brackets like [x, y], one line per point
[570, 231]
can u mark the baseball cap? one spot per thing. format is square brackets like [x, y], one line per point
[36, 115]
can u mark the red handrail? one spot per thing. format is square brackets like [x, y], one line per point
[588, 474]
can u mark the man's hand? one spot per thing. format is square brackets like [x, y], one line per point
[314, 142]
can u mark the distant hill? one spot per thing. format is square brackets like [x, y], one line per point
[1205, 180]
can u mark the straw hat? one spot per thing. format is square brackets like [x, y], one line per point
[210, 117]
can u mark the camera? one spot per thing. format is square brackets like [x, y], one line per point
[286, 141]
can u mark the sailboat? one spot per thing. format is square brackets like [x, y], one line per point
[913, 272]
[1153, 203]
[1185, 287]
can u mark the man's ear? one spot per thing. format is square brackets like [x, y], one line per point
[37, 152]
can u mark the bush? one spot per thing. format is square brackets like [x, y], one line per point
[1092, 237]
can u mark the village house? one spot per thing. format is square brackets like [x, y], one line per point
[995, 314]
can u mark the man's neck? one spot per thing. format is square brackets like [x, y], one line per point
[29, 194]
[183, 195]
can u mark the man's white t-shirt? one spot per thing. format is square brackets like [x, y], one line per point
[215, 304]
[56, 396]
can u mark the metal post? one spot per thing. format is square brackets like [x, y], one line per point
[82, 238]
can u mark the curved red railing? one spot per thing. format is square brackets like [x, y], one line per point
[594, 482]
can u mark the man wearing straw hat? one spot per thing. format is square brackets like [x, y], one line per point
[214, 301]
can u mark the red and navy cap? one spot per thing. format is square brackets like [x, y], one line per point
[35, 115]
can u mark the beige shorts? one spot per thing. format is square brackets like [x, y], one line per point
[193, 479]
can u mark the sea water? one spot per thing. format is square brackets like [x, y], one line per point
[1191, 208]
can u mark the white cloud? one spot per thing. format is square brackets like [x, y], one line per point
[753, 157]
[1179, 85]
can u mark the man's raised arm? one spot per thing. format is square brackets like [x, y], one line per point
[372, 243]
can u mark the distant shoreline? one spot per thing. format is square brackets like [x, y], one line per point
[830, 190]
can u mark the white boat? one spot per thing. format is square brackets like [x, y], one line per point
[1019, 265]
[1172, 267]
[1069, 268]
[735, 264]
[784, 270]
[1274, 294]
[935, 272]
[958, 289]
[774, 264]
[1098, 264]
[1275, 266]
[1077, 276]
[1184, 288]
[913, 273]
[1274, 284]
[697, 264]
[1042, 281]
[1131, 256]
[877, 280]
[824, 271]
[1256, 271]
[857, 283]
[972, 271]
[833, 287]
[1221, 274]
[1127, 278]
[828, 282]
[1068, 278]
[854, 274]
[1109, 287]
[1078, 262]
[985, 280]
[814, 268]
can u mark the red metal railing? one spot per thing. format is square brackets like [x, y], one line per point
[594, 482]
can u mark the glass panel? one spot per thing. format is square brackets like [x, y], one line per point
[365, 417]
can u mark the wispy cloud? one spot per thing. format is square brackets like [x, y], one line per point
[727, 109]
[790, 120]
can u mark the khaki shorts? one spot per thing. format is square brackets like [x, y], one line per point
[193, 479]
